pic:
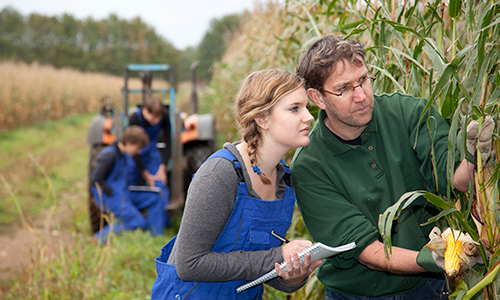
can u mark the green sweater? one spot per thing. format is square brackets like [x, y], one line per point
[342, 189]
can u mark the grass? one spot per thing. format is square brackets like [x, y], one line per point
[57, 146]
[67, 264]
[120, 270]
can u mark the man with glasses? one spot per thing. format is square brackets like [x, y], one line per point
[365, 152]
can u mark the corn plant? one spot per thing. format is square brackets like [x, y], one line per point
[447, 53]
[444, 51]
[463, 83]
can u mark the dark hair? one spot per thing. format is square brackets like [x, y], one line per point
[320, 60]
[154, 106]
[135, 135]
[258, 94]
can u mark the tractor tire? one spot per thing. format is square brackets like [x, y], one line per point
[195, 154]
[96, 219]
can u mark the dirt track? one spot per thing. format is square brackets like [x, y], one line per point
[47, 231]
[43, 231]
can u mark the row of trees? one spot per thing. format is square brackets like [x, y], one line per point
[105, 45]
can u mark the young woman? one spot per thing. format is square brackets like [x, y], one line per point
[237, 197]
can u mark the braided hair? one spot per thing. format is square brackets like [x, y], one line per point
[258, 94]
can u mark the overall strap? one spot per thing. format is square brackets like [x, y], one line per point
[288, 176]
[224, 153]
[138, 112]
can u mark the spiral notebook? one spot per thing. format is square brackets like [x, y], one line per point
[317, 250]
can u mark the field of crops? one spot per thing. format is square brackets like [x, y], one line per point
[32, 93]
[444, 51]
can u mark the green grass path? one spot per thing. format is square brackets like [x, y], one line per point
[43, 173]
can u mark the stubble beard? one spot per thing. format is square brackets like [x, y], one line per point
[349, 120]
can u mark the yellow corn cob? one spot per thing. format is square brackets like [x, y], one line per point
[452, 256]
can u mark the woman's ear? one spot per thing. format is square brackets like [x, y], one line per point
[262, 122]
[316, 97]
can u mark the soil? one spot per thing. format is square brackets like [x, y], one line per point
[19, 243]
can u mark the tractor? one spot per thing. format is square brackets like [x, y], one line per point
[192, 137]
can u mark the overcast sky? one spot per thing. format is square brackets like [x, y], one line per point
[182, 22]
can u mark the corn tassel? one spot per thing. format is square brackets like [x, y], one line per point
[452, 256]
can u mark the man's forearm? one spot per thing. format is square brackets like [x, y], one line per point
[402, 261]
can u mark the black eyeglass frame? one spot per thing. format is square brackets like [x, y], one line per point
[353, 87]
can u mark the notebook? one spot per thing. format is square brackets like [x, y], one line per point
[317, 250]
[144, 188]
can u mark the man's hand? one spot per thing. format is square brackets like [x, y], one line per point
[481, 138]
[453, 251]
[150, 179]
[161, 175]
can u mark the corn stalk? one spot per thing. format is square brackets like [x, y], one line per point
[444, 51]
[466, 88]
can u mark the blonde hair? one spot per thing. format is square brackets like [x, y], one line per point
[258, 94]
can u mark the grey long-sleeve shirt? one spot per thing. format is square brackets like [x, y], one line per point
[210, 201]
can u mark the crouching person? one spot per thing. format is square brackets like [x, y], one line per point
[109, 188]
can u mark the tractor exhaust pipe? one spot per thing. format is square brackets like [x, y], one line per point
[194, 96]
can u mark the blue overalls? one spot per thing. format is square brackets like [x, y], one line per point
[149, 154]
[248, 228]
[126, 204]
[152, 159]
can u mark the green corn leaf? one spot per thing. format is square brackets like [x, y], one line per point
[409, 57]
[436, 200]
[439, 216]
[460, 290]
[391, 213]
[452, 142]
[388, 75]
[447, 74]
[439, 64]
[454, 10]
[487, 279]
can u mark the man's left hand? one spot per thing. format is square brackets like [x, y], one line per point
[482, 139]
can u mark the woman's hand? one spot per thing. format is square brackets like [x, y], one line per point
[295, 272]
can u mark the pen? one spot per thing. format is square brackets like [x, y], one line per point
[279, 237]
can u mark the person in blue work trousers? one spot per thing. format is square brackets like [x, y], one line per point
[365, 152]
[149, 166]
[237, 197]
[110, 188]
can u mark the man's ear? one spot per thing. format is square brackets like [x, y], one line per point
[262, 122]
[316, 97]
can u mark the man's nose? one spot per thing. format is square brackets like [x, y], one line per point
[358, 94]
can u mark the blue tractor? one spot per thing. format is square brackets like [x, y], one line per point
[191, 141]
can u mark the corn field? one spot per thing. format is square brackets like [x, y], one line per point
[445, 51]
[32, 93]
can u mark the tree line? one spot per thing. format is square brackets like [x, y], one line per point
[106, 45]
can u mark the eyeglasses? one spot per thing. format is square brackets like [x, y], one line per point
[347, 91]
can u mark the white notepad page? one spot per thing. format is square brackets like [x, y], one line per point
[317, 250]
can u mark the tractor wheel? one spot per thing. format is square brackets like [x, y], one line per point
[95, 214]
[195, 155]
